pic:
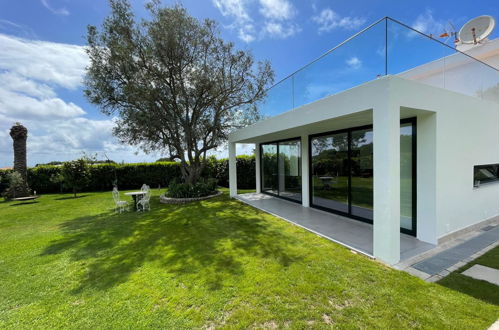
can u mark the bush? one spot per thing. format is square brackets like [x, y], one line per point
[44, 180]
[16, 185]
[184, 190]
[246, 178]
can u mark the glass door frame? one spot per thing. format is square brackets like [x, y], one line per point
[277, 170]
[349, 214]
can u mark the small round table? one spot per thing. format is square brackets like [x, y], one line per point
[137, 196]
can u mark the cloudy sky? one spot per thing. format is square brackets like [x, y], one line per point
[42, 59]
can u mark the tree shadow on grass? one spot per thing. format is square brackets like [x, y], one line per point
[206, 239]
[69, 197]
[24, 203]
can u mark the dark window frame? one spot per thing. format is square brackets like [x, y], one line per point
[349, 214]
[276, 142]
[487, 182]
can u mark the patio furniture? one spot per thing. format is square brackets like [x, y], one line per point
[120, 205]
[144, 201]
[136, 195]
[328, 181]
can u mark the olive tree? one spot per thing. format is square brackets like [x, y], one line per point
[172, 83]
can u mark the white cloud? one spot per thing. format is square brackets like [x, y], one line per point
[426, 23]
[49, 62]
[14, 82]
[26, 107]
[280, 30]
[329, 20]
[31, 75]
[274, 20]
[354, 62]
[237, 10]
[277, 9]
[58, 11]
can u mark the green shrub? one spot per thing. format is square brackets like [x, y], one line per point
[16, 185]
[133, 176]
[246, 177]
[184, 190]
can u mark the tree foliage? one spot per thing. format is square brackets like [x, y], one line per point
[75, 174]
[173, 83]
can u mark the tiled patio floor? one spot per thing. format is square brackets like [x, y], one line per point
[354, 234]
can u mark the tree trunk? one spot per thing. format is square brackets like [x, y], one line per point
[19, 135]
[192, 172]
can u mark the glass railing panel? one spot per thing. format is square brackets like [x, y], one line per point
[415, 56]
[387, 47]
[490, 83]
[418, 57]
[359, 60]
[463, 75]
[279, 99]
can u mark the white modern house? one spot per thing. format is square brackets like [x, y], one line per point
[388, 144]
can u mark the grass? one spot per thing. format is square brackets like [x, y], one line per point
[74, 263]
[479, 289]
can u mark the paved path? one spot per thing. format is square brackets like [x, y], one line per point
[443, 260]
[484, 273]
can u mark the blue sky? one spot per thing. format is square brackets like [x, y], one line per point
[42, 59]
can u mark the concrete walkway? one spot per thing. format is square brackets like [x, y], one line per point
[483, 273]
[443, 260]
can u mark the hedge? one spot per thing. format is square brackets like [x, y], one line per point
[132, 176]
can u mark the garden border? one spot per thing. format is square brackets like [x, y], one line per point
[167, 200]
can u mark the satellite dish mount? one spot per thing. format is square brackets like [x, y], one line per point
[475, 32]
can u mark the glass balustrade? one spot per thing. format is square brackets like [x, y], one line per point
[387, 47]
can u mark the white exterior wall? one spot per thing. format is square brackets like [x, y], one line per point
[232, 169]
[455, 132]
[386, 156]
[474, 132]
[466, 134]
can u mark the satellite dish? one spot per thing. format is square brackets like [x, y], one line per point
[477, 29]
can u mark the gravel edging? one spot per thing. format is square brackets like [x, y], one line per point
[167, 200]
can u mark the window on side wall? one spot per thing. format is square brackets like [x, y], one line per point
[485, 174]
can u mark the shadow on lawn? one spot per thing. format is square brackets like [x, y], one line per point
[24, 203]
[208, 240]
[69, 197]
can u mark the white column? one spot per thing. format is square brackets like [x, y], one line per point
[305, 189]
[427, 178]
[386, 231]
[232, 170]
[257, 168]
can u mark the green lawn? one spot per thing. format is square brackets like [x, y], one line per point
[480, 289]
[73, 263]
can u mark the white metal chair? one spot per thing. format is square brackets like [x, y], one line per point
[120, 205]
[143, 203]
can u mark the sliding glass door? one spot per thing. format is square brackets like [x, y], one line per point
[330, 171]
[361, 169]
[281, 169]
[342, 176]
[269, 168]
